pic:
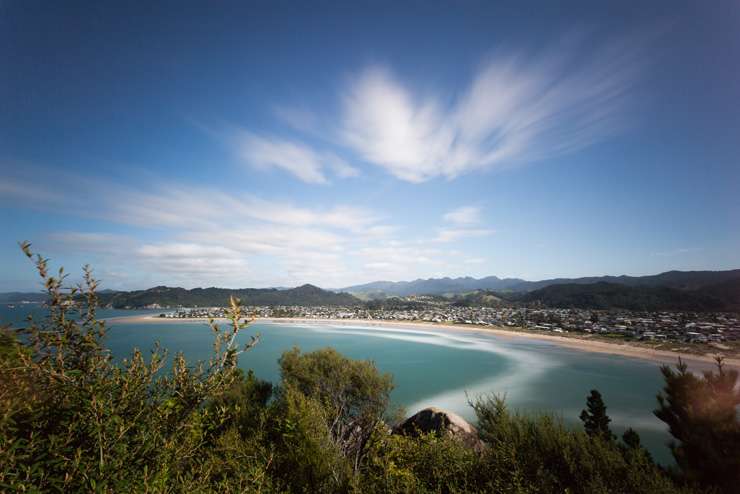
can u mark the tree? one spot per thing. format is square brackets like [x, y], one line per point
[353, 393]
[701, 414]
[631, 439]
[542, 454]
[595, 420]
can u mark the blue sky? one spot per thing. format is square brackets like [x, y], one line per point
[279, 143]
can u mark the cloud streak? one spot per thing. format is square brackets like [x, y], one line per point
[295, 158]
[517, 108]
[200, 236]
[466, 215]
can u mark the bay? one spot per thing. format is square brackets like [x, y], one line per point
[444, 368]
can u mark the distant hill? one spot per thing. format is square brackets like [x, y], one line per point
[479, 298]
[602, 295]
[681, 280]
[727, 291]
[306, 295]
[17, 297]
[672, 290]
[432, 286]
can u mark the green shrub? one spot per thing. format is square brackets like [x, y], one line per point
[352, 394]
[72, 420]
[702, 415]
[426, 463]
[543, 453]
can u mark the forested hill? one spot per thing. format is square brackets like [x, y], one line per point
[15, 297]
[723, 296]
[680, 280]
[305, 295]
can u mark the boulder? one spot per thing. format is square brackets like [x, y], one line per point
[441, 422]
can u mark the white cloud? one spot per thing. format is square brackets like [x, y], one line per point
[455, 234]
[517, 108]
[201, 236]
[182, 206]
[191, 259]
[466, 215]
[296, 158]
[266, 152]
[475, 260]
[341, 168]
[103, 243]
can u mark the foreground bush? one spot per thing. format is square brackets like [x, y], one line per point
[72, 420]
[541, 454]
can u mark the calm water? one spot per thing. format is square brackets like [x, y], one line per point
[437, 367]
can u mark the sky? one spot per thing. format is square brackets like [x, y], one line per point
[256, 144]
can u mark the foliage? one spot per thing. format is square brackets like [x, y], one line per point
[426, 463]
[540, 454]
[631, 439]
[353, 394]
[74, 420]
[702, 415]
[604, 296]
[306, 295]
[595, 420]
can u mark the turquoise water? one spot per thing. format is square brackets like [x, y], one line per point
[440, 367]
[17, 315]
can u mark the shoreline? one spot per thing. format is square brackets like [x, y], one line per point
[584, 344]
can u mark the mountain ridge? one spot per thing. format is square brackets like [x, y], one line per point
[681, 290]
[162, 295]
[682, 280]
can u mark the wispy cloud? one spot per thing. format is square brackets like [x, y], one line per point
[676, 252]
[475, 260]
[264, 152]
[200, 236]
[466, 215]
[455, 234]
[464, 223]
[517, 108]
[296, 158]
[193, 260]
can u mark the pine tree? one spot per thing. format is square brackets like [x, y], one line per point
[701, 413]
[631, 438]
[595, 420]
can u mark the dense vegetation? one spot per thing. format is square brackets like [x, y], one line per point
[680, 280]
[73, 420]
[638, 298]
[305, 295]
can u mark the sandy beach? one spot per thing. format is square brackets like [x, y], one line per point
[583, 343]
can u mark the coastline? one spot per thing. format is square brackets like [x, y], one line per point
[585, 344]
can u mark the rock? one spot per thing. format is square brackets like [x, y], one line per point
[441, 422]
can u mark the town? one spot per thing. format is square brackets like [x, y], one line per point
[716, 328]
